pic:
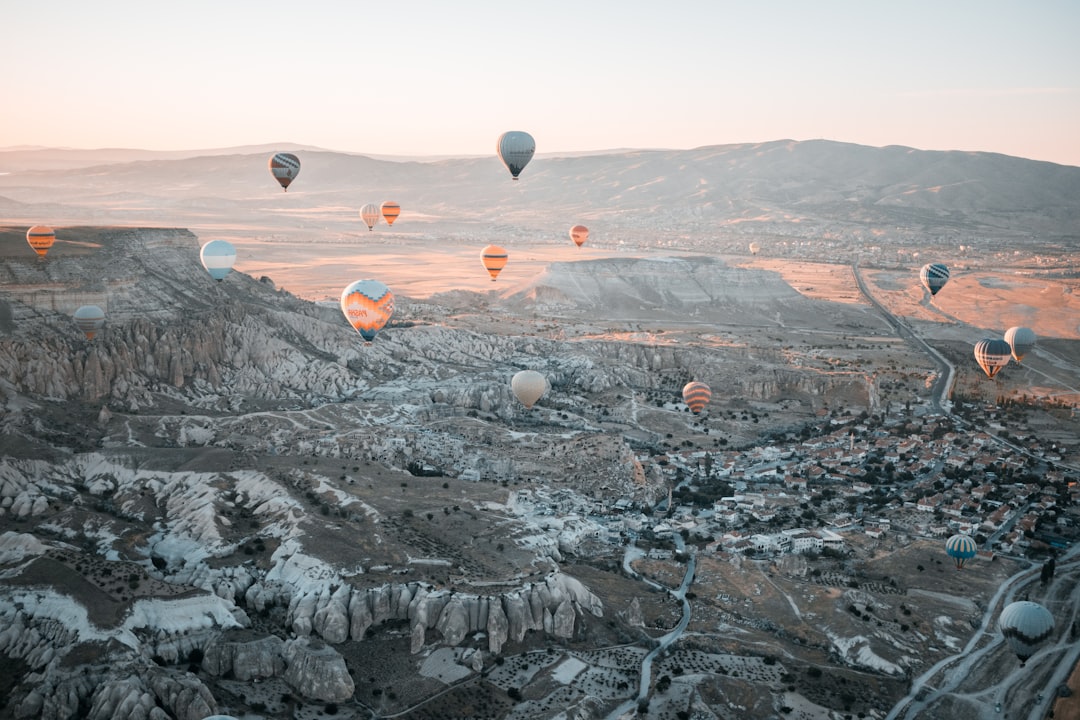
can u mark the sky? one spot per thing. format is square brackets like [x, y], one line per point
[432, 77]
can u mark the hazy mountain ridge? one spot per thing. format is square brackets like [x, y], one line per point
[820, 182]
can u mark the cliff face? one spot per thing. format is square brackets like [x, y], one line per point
[169, 328]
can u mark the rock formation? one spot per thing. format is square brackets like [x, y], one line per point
[317, 671]
[258, 658]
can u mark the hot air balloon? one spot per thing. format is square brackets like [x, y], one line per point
[754, 248]
[370, 215]
[961, 548]
[1026, 625]
[218, 257]
[1021, 340]
[696, 395]
[579, 234]
[41, 238]
[494, 259]
[528, 386]
[89, 319]
[992, 354]
[515, 149]
[934, 276]
[367, 305]
[390, 211]
[284, 167]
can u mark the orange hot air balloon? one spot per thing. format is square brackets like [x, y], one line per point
[494, 259]
[696, 395]
[390, 211]
[579, 234]
[41, 238]
[367, 305]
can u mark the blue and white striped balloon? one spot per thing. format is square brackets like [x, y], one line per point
[218, 257]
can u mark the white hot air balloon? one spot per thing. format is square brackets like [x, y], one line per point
[370, 214]
[1021, 340]
[528, 386]
[516, 149]
[1026, 625]
[89, 319]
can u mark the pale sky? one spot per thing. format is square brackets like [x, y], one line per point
[423, 77]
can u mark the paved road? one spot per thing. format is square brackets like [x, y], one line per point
[664, 641]
[974, 673]
[961, 674]
[942, 388]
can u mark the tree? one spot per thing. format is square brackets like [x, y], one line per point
[1047, 572]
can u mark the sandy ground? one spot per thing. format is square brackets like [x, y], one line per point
[411, 268]
[973, 305]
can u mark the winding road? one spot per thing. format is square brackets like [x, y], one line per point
[664, 641]
[970, 674]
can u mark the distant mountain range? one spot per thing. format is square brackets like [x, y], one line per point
[822, 185]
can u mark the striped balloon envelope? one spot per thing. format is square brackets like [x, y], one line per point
[89, 319]
[390, 211]
[696, 395]
[370, 215]
[494, 259]
[41, 238]
[515, 149]
[934, 276]
[992, 354]
[579, 234]
[961, 548]
[218, 257]
[1026, 625]
[367, 305]
[284, 167]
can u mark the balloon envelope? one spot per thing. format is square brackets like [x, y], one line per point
[370, 215]
[754, 247]
[515, 149]
[89, 319]
[1026, 625]
[494, 259]
[579, 234]
[367, 305]
[1021, 340]
[41, 238]
[528, 386]
[961, 548]
[218, 257]
[696, 395]
[284, 167]
[992, 354]
[390, 211]
[934, 276]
